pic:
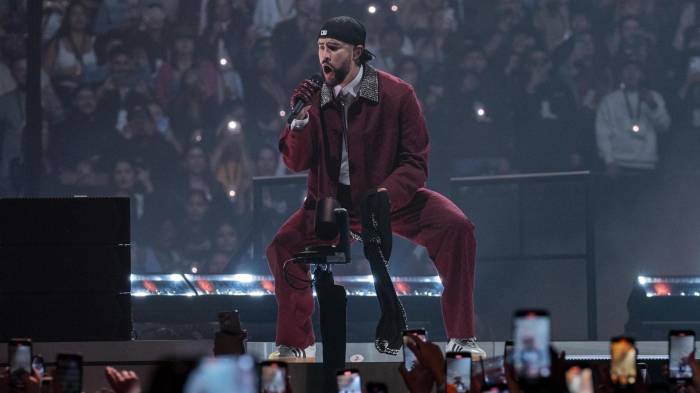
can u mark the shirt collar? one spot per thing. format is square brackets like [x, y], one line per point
[350, 88]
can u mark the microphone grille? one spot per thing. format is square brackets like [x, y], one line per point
[317, 79]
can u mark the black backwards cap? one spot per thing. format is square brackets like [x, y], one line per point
[349, 30]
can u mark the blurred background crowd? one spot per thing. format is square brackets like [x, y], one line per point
[179, 104]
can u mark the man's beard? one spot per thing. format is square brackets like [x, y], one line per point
[338, 74]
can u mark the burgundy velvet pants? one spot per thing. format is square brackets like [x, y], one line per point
[430, 220]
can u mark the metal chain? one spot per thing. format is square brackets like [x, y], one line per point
[373, 240]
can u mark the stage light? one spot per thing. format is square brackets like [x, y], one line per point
[669, 285]
[372, 9]
[480, 112]
[367, 278]
[244, 284]
[243, 278]
[394, 8]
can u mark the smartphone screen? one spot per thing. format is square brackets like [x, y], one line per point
[69, 373]
[508, 352]
[19, 354]
[273, 377]
[38, 366]
[681, 343]
[623, 361]
[219, 374]
[349, 381]
[459, 370]
[579, 379]
[230, 322]
[642, 370]
[409, 358]
[531, 344]
[491, 370]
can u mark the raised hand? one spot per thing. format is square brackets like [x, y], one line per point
[125, 381]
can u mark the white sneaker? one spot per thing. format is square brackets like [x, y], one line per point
[467, 345]
[294, 354]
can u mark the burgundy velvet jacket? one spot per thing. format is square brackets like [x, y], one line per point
[387, 142]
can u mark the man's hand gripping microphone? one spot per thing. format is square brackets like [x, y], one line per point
[302, 94]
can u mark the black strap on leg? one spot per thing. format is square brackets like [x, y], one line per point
[376, 239]
[332, 301]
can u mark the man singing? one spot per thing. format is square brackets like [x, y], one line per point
[365, 131]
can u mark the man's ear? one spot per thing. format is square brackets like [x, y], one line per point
[357, 52]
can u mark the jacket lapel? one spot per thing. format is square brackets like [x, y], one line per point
[369, 87]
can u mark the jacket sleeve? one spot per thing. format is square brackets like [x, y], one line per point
[604, 129]
[411, 171]
[297, 145]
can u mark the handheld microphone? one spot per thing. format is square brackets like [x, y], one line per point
[300, 103]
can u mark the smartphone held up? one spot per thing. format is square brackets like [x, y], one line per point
[531, 338]
[459, 370]
[623, 361]
[19, 355]
[273, 377]
[681, 345]
[409, 358]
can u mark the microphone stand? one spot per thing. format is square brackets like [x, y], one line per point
[332, 298]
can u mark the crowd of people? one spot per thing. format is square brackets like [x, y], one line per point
[429, 373]
[179, 104]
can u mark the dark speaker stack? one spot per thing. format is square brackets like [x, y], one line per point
[65, 269]
[658, 304]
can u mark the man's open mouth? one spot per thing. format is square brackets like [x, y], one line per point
[327, 69]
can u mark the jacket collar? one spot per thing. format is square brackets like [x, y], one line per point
[369, 87]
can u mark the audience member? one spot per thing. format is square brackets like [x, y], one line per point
[70, 57]
[628, 123]
[197, 229]
[198, 176]
[161, 251]
[291, 40]
[83, 135]
[181, 59]
[12, 121]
